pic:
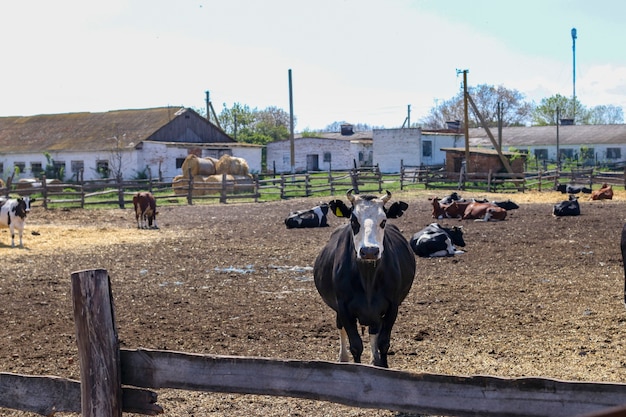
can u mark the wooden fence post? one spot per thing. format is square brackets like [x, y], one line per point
[402, 174]
[44, 190]
[120, 191]
[149, 179]
[189, 187]
[307, 185]
[98, 346]
[223, 190]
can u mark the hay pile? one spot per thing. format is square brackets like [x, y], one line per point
[208, 174]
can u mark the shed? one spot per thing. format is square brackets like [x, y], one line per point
[483, 160]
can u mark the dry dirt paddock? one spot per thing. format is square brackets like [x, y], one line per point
[533, 295]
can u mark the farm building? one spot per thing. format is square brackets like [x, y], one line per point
[324, 151]
[413, 147]
[103, 145]
[585, 143]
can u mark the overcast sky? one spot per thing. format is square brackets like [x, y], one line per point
[359, 61]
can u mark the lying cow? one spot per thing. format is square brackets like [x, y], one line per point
[604, 193]
[435, 240]
[572, 189]
[484, 212]
[13, 215]
[145, 210]
[569, 207]
[313, 217]
[453, 210]
[364, 273]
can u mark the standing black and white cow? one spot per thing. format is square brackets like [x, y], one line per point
[435, 240]
[13, 215]
[364, 272]
[313, 217]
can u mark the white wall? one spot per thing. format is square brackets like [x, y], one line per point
[393, 145]
[342, 151]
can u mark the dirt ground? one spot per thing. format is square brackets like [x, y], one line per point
[533, 295]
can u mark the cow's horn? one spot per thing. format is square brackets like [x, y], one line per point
[386, 197]
[350, 196]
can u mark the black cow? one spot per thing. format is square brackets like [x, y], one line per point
[313, 217]
[454, 196]
[434, 240]
[567, 208]
[572, 189]
[507, 205]
[364, 272]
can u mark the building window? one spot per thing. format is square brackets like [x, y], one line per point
[567, 154]
[77, 166]
[2, 168]
[327, 157]
[21, 167]
[427, 149]
[613, 153]
[36, 168]
[102, 167]
[541, 154]
[179, 162]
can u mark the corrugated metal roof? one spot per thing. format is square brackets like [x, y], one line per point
[82, 131]
[546, 135]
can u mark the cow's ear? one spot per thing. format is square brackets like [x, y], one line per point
[340, 209]
[397, 209]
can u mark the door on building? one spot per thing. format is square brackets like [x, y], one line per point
[312, 162]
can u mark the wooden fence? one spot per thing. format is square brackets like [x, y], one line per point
[113, 381]
[437, 178]
[285, 186]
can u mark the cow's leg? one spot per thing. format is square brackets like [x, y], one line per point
[12, 230]
[348, 324]
[21, 231]
[374, 348]
[344, 355]
[384, 336]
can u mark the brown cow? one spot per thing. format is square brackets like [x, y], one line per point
[453, 210]
[145, 210]
[484, 212]
[604, 193]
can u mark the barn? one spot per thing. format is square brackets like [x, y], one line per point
[322, 151]
[483, 160]
[108, 144]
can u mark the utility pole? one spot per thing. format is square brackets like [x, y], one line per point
[291, 135]
[574, 37]
[466, 117]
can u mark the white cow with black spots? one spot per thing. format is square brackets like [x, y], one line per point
[13, 215]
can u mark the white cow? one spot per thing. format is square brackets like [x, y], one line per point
[13, 215]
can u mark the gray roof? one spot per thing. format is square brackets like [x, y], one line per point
[546, 135]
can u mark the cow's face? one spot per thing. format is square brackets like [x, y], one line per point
[368, 217]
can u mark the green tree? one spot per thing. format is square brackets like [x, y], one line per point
[546, 112]
[253, 125]
[606, 115]
[515, 111]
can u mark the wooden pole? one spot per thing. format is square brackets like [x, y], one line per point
[98, 346]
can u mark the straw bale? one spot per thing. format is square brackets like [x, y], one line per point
[215, 184]
[231, 165]
[199, 166]
[179, 185]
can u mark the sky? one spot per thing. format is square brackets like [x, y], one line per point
[355, 61]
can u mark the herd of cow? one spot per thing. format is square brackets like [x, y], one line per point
[367, 267]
